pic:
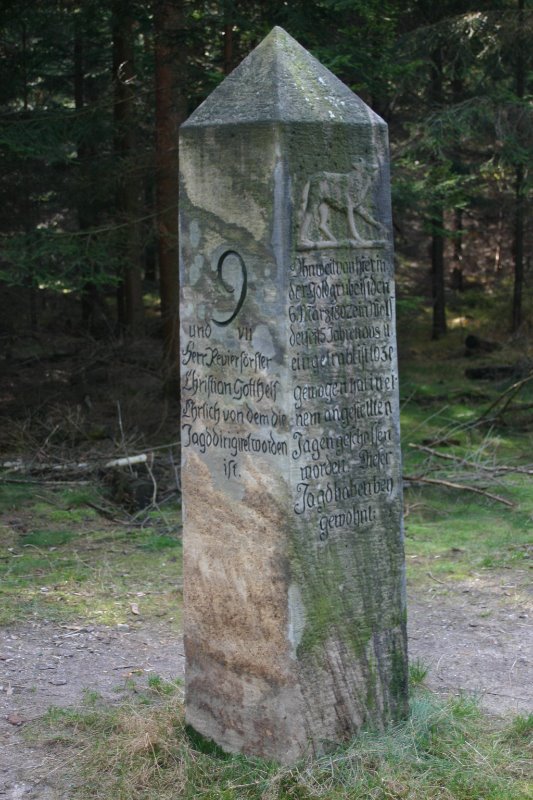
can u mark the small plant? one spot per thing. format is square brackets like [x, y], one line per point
[91, 697]
[163, 687]
[46, 538]
[160, 542]
[418, 672]
[521, 730]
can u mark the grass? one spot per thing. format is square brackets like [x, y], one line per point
[418, 672]
[451, 533]
[143, 750]
[454, 536]
[59, 560]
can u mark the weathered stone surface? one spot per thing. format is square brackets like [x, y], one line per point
[294, 569]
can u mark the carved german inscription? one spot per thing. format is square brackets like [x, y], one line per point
[328, 332]
[235, 415]
[342, 359]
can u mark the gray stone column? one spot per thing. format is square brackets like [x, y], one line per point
[294, 616]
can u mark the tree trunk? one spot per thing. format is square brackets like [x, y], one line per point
[518, 242]
[89, 296]
[457, 272]
[437, 275]
[27, 204]
[437, 221]
[171, 111]
[228, 48]
[128, 196]
[518, 248]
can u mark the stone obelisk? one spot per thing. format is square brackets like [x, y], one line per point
[294, 616]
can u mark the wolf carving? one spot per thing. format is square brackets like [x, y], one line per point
[345, 192]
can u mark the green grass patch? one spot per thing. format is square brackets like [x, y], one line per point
[59, 560]
[451, 532]
[418, 673]
[160, 542]
[13, 495]
[521, 730]
[47, 538]
[143, 750]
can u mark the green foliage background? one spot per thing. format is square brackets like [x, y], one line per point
[444, 75]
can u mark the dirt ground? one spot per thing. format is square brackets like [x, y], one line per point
[475, 637]
[43, 665]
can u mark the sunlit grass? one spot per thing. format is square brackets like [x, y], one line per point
[451, 533]
[143, 750]
[68, 564]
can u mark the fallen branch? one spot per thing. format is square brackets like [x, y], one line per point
[437, 580]
[107, 514]
[484, 418]
[21, 466]
[464, 462]
[43, 482]
[507, 395]
[461, 487]
[127, 461]
[82, 466]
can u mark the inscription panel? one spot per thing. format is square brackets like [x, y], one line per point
[231, 384]
[342, 361]
[336, 425]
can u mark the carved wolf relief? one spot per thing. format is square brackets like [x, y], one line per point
[344, 192]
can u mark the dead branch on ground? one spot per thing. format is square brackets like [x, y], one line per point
[486, 418]
[459, 486]
[466, 463]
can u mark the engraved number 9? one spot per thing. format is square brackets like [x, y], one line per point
[231, 289]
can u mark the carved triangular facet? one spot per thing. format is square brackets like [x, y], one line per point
[280, 81]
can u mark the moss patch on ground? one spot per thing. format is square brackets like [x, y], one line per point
[61, 560]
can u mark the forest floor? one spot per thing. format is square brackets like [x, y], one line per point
[90, 582]
[474, 638]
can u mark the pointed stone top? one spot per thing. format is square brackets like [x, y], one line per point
[280, 81]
